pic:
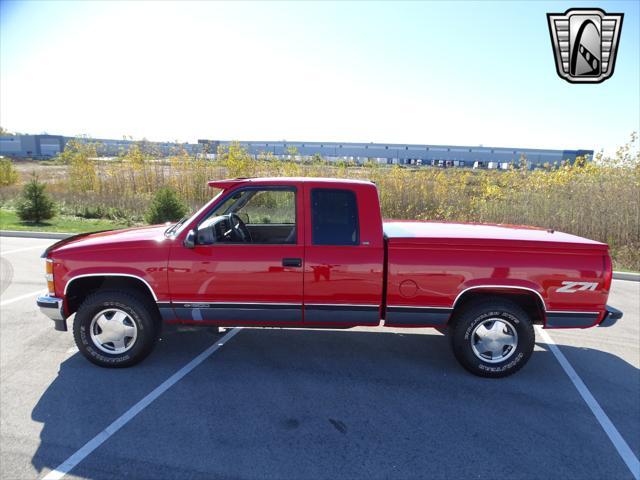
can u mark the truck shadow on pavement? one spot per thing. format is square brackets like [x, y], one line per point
[326, 404]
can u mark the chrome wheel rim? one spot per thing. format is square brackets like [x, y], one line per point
[113, 331]
[494, 340]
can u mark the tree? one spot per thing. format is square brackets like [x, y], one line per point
[79, 153]
[237, 160]
[34, 204]
[165, 207]
[8, 173]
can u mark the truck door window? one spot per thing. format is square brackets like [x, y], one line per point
[268, 214]
[334, 217]
[270, 207]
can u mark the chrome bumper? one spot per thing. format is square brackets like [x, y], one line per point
[53, 308]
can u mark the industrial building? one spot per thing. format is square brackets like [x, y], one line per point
[408, 154]
[47, 146]
[31, 146]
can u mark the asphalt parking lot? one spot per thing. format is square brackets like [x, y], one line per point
[273, 403]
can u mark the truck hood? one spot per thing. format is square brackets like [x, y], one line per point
[109, 239]
[484, 234]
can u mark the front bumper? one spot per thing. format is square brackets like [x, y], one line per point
[610, 317]
[53, 308]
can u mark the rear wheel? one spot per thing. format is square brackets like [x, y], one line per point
[492, 338]
[115, 329]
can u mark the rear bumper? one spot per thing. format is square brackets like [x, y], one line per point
[53, 308]
[610, 317]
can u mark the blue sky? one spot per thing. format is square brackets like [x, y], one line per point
[465, 73]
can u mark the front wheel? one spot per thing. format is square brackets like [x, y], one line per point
[115, 329]
[492, 338]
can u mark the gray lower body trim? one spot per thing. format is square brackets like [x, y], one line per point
[343, 314]
[270, 313]
[167, 313]
[571, 319]
[232, 312]
[400, 316]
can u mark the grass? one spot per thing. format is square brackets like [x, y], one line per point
[63, 223]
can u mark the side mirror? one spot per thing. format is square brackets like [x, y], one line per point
[190, 239]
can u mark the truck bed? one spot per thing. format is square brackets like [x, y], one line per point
[486, 234]
[431, 265]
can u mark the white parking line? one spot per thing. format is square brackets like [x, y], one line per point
[621, 445]
[7, 252]
[21, 297]
[66, 466]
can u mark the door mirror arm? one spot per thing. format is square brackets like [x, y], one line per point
[190, 239]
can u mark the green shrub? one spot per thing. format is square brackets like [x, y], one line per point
[34, 204]
[165, 207]
[8, 173]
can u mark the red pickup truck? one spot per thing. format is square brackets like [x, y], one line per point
[315, 253]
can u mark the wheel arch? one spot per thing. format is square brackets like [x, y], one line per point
[80, 287]
[527, 298]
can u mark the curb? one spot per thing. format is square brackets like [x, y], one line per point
[631, 276]
[28, 234]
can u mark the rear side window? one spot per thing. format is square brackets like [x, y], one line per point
[334, 217]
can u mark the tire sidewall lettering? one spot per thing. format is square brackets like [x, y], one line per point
[90, 346]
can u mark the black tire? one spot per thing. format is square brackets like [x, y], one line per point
[474, 316]
[139, 310]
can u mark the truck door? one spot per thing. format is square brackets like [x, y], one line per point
[246, 266]
[343, 255]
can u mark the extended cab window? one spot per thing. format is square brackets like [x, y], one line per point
[334, 217]
[252, 215]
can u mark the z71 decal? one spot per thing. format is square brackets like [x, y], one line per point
[573, 287]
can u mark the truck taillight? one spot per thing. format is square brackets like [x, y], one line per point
[608, 272]
[49, 276]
